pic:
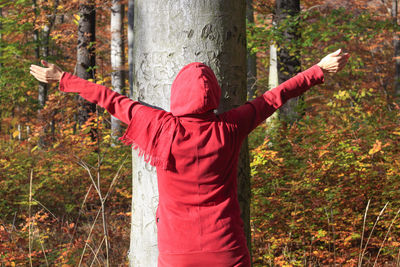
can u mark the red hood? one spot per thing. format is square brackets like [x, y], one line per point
[195, 90]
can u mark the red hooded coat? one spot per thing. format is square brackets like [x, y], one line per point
[196, 155]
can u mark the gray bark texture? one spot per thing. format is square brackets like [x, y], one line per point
[86, 59]
[117, 58]
[251, 58]
[169, 34]
[288, 61]
[396, 44]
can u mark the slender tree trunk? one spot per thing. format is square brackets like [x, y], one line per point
[168, 35]
[42, 87]
[42, 40]
[396, 44]
[117, 58]
[130, 43]
[44, 48]
[273, 82]
[36, 35]
[251, 58]
[86, 59]
[288, 58]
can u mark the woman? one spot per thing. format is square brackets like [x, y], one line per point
[196, 153]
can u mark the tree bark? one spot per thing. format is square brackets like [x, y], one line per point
[251, 58]
[86, 59]
[396, 44]
[169, 34]
[117, 58]
[272, 83]
[288, 58]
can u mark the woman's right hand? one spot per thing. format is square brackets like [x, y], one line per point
[334, 62]
[51, 73]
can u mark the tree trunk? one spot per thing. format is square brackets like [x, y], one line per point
[168, 35]
[251, 58]
[396, 44]
[288, 57]
[44, 47]
[117, 58]
[42, 40]
[86, 59]
[273, 82]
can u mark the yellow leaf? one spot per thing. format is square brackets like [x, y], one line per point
[15, 134]
[33, 149]
[76, 19]
[376, 148]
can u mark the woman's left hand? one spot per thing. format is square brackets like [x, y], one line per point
[334, 62]
[51, 73]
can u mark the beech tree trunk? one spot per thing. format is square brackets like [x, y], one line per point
[117, 58]
[169, 34]
[86, 59]
[288, 58]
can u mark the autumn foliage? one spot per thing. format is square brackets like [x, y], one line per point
[325, 189]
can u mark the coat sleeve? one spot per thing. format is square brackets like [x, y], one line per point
[250, 115]
[117, 105]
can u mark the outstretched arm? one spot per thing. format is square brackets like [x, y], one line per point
[249, 115]
[117, 105]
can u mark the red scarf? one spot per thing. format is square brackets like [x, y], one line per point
[195, 93]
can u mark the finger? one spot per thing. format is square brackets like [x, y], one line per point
[37, 68]
[43, 80]
[38, 72]
[37, 75]
[337, 52]
[45, 63]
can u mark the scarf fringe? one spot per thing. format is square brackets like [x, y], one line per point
[154, 161]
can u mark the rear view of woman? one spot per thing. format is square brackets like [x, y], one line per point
[196, 153]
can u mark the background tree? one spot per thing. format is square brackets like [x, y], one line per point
[45, 17]
[208, 31]
[117, 58]
[86, 58]
[396, 44]
[287, 19]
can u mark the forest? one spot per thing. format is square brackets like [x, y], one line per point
[324, 171]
